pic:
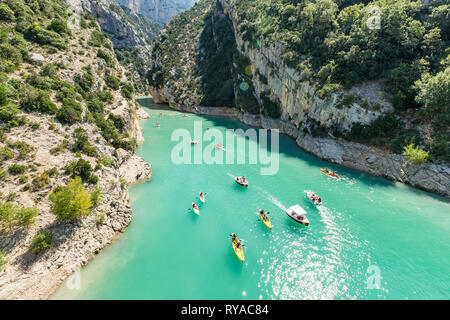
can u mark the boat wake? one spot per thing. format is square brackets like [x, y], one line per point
[315, 263]
[274, 200]
[230, 175]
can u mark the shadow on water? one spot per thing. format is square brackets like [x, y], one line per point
[290, 149]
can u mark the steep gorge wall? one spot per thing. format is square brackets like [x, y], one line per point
[159, 11]
[301, 109]
[297, 97]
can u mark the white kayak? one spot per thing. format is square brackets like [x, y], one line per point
[298, 214]
[202, 197]
[195, 209]
[194, 142]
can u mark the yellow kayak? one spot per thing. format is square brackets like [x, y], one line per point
[267, 222]
[239, 252]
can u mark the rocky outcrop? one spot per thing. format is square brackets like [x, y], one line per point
[296, 96]
[124, 29]
[159, 11]
[36, 58]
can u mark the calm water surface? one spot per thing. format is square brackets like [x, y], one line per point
[367, 227]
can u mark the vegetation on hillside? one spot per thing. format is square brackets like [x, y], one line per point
[59, 81]
[335, 45]
[135, 59]
[220, 76]
[71, 201]
[344, 45]
[41, 242]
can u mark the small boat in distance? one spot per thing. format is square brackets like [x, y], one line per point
[298, 214]
[194, 142]
[315, 199]
[202, 197]
[237, 247]
[195, 209]
[330, 173]
[241, 181]
[219, 146]
[158, 125]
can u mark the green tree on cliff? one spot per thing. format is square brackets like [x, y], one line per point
[71, 201]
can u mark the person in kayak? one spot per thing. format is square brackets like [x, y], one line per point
[263, 215]
[233, 237]
[194, 206]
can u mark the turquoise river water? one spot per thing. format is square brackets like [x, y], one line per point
[372, 238]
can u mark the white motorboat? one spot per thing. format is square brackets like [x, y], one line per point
[298, 214]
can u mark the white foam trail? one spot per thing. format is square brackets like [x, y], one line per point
[349, 181]
[230, 175]
[274, 200]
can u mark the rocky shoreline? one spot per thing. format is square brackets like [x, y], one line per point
[429, 177]
[31, 276]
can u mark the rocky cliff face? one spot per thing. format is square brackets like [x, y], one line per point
[296, 97]
[300, 108]
[129, 31]
[159, 11]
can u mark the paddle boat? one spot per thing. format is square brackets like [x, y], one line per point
[314, 198]
[330, 173]
[241, 181]
[265, 219]
[202, 197]
[237, 247]
[195, 209]
[298, 214]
